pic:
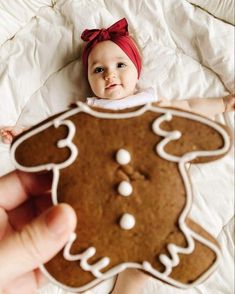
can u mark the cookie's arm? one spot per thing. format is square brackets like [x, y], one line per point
[197, 135]
[45, 146]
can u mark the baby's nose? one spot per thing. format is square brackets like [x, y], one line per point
[110, 75]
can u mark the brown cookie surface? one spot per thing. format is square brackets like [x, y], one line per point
[124, 174]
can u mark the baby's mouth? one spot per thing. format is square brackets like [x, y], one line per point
[111, 86]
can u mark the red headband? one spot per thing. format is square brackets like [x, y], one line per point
[117, 33]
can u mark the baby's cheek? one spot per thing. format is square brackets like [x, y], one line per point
[97, 88]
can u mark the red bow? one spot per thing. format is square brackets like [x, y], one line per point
[117, 33]
[120, 28]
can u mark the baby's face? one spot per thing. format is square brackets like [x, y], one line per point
[111, 73]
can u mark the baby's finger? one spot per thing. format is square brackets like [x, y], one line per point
[5, 130]
[7, 138]
[39, 241]
[17, 130]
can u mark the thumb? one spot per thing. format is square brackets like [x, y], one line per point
[37, 243]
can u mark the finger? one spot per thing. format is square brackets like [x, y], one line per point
[24, 284]
[16, 131]
[6, 138]
[42, 203]
[5, 227]
[38, 242]
[4, 132]
[16, 187]
[41, 279]
[28, 283]
[27, 211]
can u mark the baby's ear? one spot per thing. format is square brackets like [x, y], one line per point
[44, 146]
[194, 136]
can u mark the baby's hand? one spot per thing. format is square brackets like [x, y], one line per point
[8, 133]
[229, 103]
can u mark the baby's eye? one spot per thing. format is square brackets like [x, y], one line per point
[98, 69]
[121, 65]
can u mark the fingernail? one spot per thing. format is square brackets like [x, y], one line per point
[56, 220]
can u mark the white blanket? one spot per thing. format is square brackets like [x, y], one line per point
[187, 52]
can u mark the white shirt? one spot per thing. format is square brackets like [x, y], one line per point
[143, 97]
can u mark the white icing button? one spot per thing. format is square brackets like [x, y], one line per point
[176, 135]
[125, 188]
[127, 221]
[123, 156]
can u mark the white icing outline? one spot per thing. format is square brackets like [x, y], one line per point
[169, 136]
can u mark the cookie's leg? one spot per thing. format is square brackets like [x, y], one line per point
[200, 263]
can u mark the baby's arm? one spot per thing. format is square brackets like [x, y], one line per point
[8, 133]
[229, 102]
[205, 106]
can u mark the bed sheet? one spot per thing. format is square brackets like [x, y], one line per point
[187, 52]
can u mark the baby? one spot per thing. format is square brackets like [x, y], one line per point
[112, 64]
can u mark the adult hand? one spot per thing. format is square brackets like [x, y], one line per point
[31, 230]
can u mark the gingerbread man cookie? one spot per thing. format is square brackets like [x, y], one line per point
[125, 175]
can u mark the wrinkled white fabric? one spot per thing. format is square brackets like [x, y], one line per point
[223, 9]
[15, 14]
